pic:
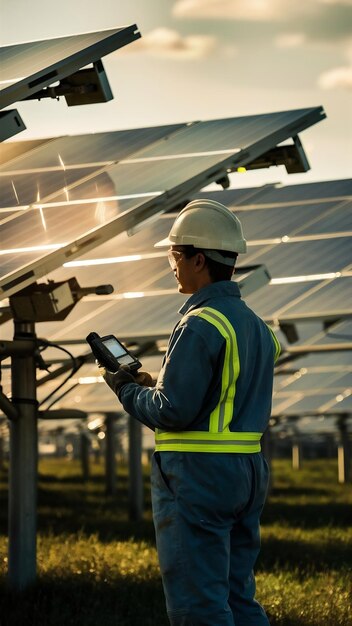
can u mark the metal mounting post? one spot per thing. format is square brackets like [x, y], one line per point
[110, 454]
[85, 460]
[135, 471]
[343, 451]
[296, 454]
[23, 466]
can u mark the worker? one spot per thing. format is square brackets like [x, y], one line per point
[209, 408]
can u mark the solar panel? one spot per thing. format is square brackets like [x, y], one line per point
[29, 67]
[308, 257]
[162, 175]
[14, 149]
[334, 295]
[151, 280]
[312, 380]
[66, 152]
[276, 297]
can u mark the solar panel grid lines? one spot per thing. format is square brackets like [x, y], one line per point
[67, 151]
[123, 315]
[24, 189]
[327, 214]
[320, 298]
[15, 149]
[132, 141]
[239, 134]
[29, 67]
[145, 155]
[177, 182]
[272, 194]
[193, 130]
[321, 254]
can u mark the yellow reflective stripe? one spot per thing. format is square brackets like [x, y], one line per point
[202, 441]
[222, 415]
[188, 447]
[203, 435]
[276, 344]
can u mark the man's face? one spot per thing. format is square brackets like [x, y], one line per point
[184, 270]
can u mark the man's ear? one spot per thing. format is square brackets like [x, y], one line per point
[199, 261]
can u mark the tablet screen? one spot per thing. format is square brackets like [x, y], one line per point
[115, 347]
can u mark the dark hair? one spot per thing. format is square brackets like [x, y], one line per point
[217, 271]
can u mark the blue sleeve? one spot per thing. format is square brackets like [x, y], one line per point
[182, 384]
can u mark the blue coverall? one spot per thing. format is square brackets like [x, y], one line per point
[207, 505]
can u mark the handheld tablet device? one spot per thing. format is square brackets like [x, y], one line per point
[111, 353]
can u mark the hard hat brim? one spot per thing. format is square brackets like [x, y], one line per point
[163, 243]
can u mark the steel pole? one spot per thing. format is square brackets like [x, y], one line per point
[23, 467]
[110, 454]
[344, 451]
[296, 454]
[135, 471]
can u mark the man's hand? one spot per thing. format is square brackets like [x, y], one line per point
[116, 380]
[144, 379]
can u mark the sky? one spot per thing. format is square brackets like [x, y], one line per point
[206, 59]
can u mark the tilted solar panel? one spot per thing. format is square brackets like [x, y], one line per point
[97, 149]
[157, 177]
[29, 67]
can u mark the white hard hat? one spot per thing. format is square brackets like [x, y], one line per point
[206, 224]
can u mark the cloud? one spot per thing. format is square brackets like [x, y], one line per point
[345, 2]
[257, 10]
[334, 12]
[337, 78]
[290, 40]
[318, 20]
[169, 43]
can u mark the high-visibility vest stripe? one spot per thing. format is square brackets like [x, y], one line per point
[276, 344]
[218, 438]
[203, 441]
[221, 416]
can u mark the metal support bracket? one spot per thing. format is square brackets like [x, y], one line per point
[87, 86]
[291, 156]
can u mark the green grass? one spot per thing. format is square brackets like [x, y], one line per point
[95, 568]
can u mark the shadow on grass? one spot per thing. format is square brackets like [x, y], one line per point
[95, 479]
[105, 530]
[76, 601]
[291, 491]
[284, 554]
[307, 515]
[79, 601]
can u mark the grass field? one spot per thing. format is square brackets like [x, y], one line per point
[95, 568]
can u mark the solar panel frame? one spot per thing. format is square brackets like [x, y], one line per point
[94, 49]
